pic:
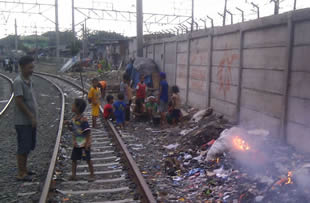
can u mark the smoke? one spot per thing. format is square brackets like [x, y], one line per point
[302, 178]
[267, 156]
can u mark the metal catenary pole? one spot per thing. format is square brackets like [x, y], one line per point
[192, 23]
[224, 15]
[57, 32]
[57, 28]
[16, 43]
[139, 7]
[73, 26]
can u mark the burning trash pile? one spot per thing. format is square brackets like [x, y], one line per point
[211, 161]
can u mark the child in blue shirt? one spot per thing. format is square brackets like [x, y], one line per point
[119, 110]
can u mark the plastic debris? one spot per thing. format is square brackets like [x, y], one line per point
[171, 146]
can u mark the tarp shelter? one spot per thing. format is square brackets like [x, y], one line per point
[70, 63]
[148, 68]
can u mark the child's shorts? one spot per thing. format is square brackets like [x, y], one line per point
[80, 153]
[120, 121]
[176, 114]
[95, 110]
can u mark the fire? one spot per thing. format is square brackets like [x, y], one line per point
[289, 178]
[240, 144]
[217, 160]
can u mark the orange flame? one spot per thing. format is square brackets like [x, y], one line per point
[289, 178]
[240, 144]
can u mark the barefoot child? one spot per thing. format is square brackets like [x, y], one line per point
[108, 108]
[81, 137]
[141, 90]
[176, 105]
[151, 107]
[119, 110]
[94, 100]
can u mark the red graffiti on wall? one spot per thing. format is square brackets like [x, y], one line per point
[224, 72]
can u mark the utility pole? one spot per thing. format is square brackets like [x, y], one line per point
[36, 53]
[192, 23]
[57, 31]
[224, 15]
[85, 39]
[295, 3]
[73, 26]
[84, 45]
[139, 7]
[16, 45]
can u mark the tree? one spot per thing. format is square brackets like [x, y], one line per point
[100, 36]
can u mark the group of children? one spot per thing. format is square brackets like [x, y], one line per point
[146, 108]
[160, 109]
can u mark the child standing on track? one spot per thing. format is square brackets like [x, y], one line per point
[126, 91]
[81, 138]
[119, 110]
[108, 108]
[94, 99]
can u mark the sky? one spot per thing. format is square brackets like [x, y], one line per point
[28, 24]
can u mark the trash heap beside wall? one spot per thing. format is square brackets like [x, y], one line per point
[255, 73]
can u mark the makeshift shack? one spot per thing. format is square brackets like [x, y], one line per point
[149, 69]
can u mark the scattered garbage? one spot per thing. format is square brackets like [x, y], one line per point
[201, 114]
[223, 143]
[198, 161]
[171, 146]
[221, 173]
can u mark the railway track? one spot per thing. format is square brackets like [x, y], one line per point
[6, 93]
[118, 178]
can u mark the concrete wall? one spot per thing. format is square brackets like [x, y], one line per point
[256, 73]
[298, 126]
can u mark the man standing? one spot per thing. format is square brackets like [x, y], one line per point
[25, 116]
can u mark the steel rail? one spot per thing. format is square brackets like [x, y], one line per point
[12, 95]
[48, 180]
[147, 195]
